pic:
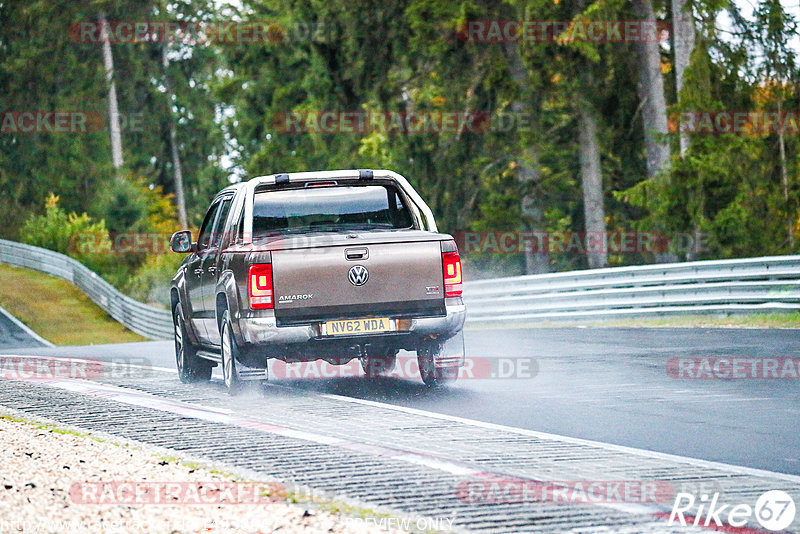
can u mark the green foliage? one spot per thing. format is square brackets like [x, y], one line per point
[729, 186]
[77, 236]
[142, 275]
[53, 229]
[150, 283]
[226, 101]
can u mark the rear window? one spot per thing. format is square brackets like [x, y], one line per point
[329, 209]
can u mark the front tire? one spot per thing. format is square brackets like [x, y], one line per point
[230, 351]
[191, 368]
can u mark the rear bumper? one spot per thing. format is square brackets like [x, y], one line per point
[263, 331]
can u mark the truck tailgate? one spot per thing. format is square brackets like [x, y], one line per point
[402, 280]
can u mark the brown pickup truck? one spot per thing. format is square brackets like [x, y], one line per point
[331, 265]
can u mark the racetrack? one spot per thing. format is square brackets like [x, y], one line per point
[436, 455]
[607, 385]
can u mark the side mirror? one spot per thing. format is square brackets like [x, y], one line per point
[181, 242]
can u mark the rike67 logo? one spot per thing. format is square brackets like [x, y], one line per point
[774, 510]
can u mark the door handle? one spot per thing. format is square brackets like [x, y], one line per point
[198, 271]
[353, 254]
[212, 269]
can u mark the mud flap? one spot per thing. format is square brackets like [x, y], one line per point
[451, 352]
[247, 371]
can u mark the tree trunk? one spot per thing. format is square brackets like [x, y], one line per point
[651, 94]
[683, 44]
[537, 260]
[785, 177]
[113, 108]
[592, 180]
[177, 169]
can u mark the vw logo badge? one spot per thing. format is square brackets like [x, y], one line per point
[358, 275]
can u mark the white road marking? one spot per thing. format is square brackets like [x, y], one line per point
[461, 469]
[227, 416]
[130, 396]
[607, 446]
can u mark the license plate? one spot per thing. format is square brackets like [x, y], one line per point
[358, 326]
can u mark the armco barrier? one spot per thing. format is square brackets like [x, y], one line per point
[721, 286]
[150, 322]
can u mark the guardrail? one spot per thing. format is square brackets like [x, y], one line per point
[147, 321]
[721, 286]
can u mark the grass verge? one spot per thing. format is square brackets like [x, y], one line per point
[57, 310]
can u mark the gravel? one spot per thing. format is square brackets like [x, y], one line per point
[57, 481]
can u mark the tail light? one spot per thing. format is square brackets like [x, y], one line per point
[259, 286]
[451, 268]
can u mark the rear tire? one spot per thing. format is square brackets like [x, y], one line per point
[431, 375]
[191, 368]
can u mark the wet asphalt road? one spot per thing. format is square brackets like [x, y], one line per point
[12, 336]
[603, 384]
